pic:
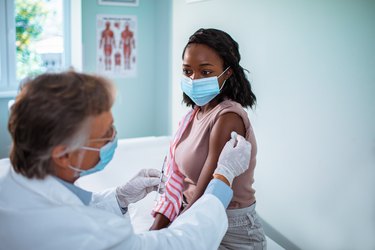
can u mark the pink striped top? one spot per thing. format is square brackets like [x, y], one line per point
[169, 203]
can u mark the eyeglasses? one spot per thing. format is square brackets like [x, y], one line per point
[112, 132]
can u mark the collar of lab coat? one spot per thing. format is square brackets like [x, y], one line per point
[49, 188]
[83, 195]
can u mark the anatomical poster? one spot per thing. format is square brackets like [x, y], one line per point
[116, 52]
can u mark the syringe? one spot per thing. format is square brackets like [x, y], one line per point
[161, 178]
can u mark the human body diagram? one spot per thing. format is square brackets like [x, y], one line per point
[116, 54]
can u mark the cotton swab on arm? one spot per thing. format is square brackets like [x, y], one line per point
[233, 135]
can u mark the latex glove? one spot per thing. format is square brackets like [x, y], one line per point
[234, 158]
[139, 186]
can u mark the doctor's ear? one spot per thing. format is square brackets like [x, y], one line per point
[59, 156]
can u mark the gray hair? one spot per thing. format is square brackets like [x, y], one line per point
[52, 110]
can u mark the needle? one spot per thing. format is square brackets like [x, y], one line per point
[161, 177]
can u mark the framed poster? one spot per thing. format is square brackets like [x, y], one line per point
[194, 1]
[116, 52]
[119, 2]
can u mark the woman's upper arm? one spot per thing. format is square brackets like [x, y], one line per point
[220, 134]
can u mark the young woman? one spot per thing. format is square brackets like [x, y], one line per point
[215, 86]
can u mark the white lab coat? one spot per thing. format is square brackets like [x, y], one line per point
[44, 214]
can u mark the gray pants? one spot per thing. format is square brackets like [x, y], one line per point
[244, 230]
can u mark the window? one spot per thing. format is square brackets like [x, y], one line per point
[36, 39]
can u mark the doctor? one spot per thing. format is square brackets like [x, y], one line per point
[62, 128]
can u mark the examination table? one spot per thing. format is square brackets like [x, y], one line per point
[131, 156]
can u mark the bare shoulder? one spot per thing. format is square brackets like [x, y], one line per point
[228, 122]
[222, 129]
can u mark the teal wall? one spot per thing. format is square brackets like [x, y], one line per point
[4, 135]
[143, 102]
[143, 106]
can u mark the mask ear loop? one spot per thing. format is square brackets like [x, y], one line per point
[80, 158]
[224, 80]
[77, 168]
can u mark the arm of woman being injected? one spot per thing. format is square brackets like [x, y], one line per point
[220, 134]
[161, 221]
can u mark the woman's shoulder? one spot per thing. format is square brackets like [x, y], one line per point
[230, 103]
[231, 106]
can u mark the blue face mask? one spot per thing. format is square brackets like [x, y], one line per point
[202, 91]
[106, 155]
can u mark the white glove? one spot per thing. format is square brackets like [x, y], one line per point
[139, 186]
[234, 159]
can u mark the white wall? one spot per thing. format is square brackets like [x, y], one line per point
[312, 68]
